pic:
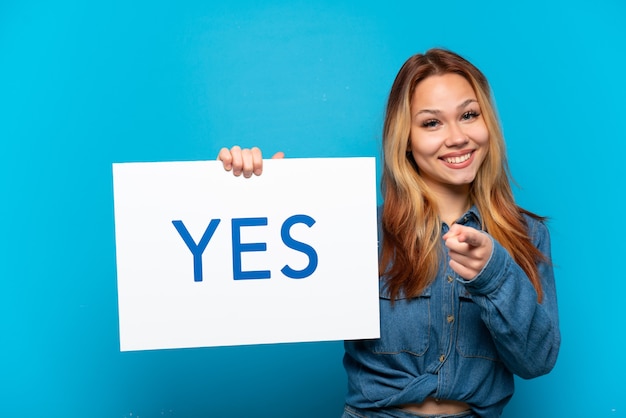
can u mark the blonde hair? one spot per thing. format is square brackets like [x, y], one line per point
[411, 247]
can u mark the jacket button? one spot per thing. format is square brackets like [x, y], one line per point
[450, 318]
[442, 358]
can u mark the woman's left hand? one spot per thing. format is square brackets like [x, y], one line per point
[469, 250]
[246, 161]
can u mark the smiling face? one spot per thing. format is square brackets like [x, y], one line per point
[449, 138]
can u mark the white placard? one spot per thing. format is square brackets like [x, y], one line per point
[205, 258]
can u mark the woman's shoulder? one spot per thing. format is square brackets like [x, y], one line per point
[532, 218]
[536, 225]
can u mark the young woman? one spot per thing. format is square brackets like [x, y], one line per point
[467, 291]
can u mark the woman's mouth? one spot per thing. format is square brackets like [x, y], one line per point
[458, 159]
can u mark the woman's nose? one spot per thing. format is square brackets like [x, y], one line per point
[456, 135]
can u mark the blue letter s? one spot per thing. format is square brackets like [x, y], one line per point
[298, 246]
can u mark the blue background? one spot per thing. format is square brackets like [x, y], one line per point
[86, 84]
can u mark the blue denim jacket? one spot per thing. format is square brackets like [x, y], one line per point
[461, 340]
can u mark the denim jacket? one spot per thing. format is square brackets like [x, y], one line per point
[460, 339]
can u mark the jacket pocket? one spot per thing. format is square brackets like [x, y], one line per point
[474, 338]
[404, 325]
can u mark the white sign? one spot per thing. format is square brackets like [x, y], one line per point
[205, 258]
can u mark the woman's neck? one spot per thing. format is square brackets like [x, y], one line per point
[452, 204]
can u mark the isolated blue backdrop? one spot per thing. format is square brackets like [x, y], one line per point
[86, 84]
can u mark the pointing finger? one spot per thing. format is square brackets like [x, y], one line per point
[472, 237]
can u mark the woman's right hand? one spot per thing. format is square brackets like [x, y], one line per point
[245, 161]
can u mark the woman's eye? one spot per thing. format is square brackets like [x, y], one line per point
[431, 123]
[469, 115]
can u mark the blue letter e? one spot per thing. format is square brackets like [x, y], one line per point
[238, 248]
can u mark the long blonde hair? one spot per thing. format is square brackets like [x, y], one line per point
[411, 246]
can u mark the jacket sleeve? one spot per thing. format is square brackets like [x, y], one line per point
[525, 331]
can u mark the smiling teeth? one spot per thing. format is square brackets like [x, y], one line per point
[458, 160]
